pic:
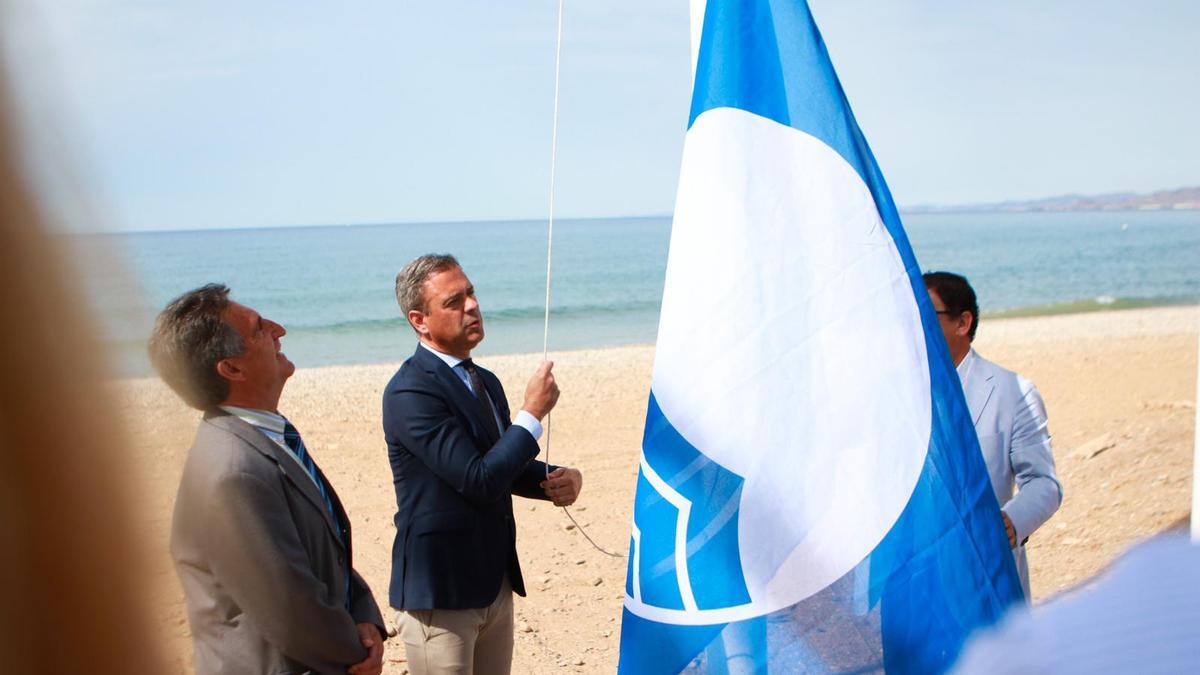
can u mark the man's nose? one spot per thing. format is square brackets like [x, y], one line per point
[472, 304]
[276, 329]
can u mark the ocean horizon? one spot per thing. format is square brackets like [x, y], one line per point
[331, 286]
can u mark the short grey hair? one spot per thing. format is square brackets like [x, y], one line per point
[189, 339]
[410, 280]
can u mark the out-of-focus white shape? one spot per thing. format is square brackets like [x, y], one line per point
[1196, 459]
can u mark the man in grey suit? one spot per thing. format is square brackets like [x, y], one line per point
[1009, 416]
[260, 540]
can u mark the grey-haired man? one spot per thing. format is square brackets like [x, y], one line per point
[458, 455]
[260, 539]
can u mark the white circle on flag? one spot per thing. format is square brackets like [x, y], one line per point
[790, 351]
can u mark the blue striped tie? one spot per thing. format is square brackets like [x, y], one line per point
[291, 436]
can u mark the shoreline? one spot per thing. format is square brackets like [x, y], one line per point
[1078, 310]
[1098, 304]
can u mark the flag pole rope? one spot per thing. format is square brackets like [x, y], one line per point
[550, 260]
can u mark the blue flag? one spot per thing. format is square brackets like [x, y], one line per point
[811, 494]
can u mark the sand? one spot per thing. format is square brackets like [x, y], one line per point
[1120, 388]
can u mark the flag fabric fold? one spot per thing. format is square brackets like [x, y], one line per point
[811, 495]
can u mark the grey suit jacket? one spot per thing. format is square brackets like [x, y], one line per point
[261, 561]
[1010, 419]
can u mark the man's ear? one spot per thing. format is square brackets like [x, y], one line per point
[964, 323]
[229, 370]
[417, 318]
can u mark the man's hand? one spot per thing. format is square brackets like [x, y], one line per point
[1010, 530]
[373, 641]
[563, 485]
[542, 392]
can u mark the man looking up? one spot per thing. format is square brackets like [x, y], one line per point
[260, 540]
[456, 460]
[1009, 417]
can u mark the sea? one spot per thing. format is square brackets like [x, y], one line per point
[332, 287]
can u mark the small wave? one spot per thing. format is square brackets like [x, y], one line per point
[537, 312]
[1096, 304]
[513, 315]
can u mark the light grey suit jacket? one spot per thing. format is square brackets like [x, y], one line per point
[261, 561]
[1010, 419]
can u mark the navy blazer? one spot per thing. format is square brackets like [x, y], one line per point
[455, 535]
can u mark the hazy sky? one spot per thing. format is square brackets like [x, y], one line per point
[265, 112]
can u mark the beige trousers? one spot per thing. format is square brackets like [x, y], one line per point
[460, 641]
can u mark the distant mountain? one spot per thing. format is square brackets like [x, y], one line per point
[1183, 198]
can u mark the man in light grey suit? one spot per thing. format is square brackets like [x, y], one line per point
[1009, 416]
[260, 540]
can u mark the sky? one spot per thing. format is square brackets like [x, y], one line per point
[219, 114]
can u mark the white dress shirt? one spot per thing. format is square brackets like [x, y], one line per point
[964, 367]
[271, 424]
[524, 419]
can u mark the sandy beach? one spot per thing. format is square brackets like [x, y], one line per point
[1120, 388]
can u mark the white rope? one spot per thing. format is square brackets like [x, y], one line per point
[550, 229]
[553, 173]
[550, 257]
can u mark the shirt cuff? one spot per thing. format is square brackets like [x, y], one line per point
[529, 423]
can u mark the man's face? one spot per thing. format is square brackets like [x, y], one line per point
[259, 372]
[956, 327]
[453, 324]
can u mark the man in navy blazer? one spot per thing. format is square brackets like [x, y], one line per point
[457, 457]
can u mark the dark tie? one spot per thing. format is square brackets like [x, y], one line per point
[291, 436]
[485, 401]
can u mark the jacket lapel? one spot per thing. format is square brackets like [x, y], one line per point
[288, 466]
[460, 397]
[979, 390]
[342, 517]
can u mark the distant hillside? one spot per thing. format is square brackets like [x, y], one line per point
[1183, 198]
